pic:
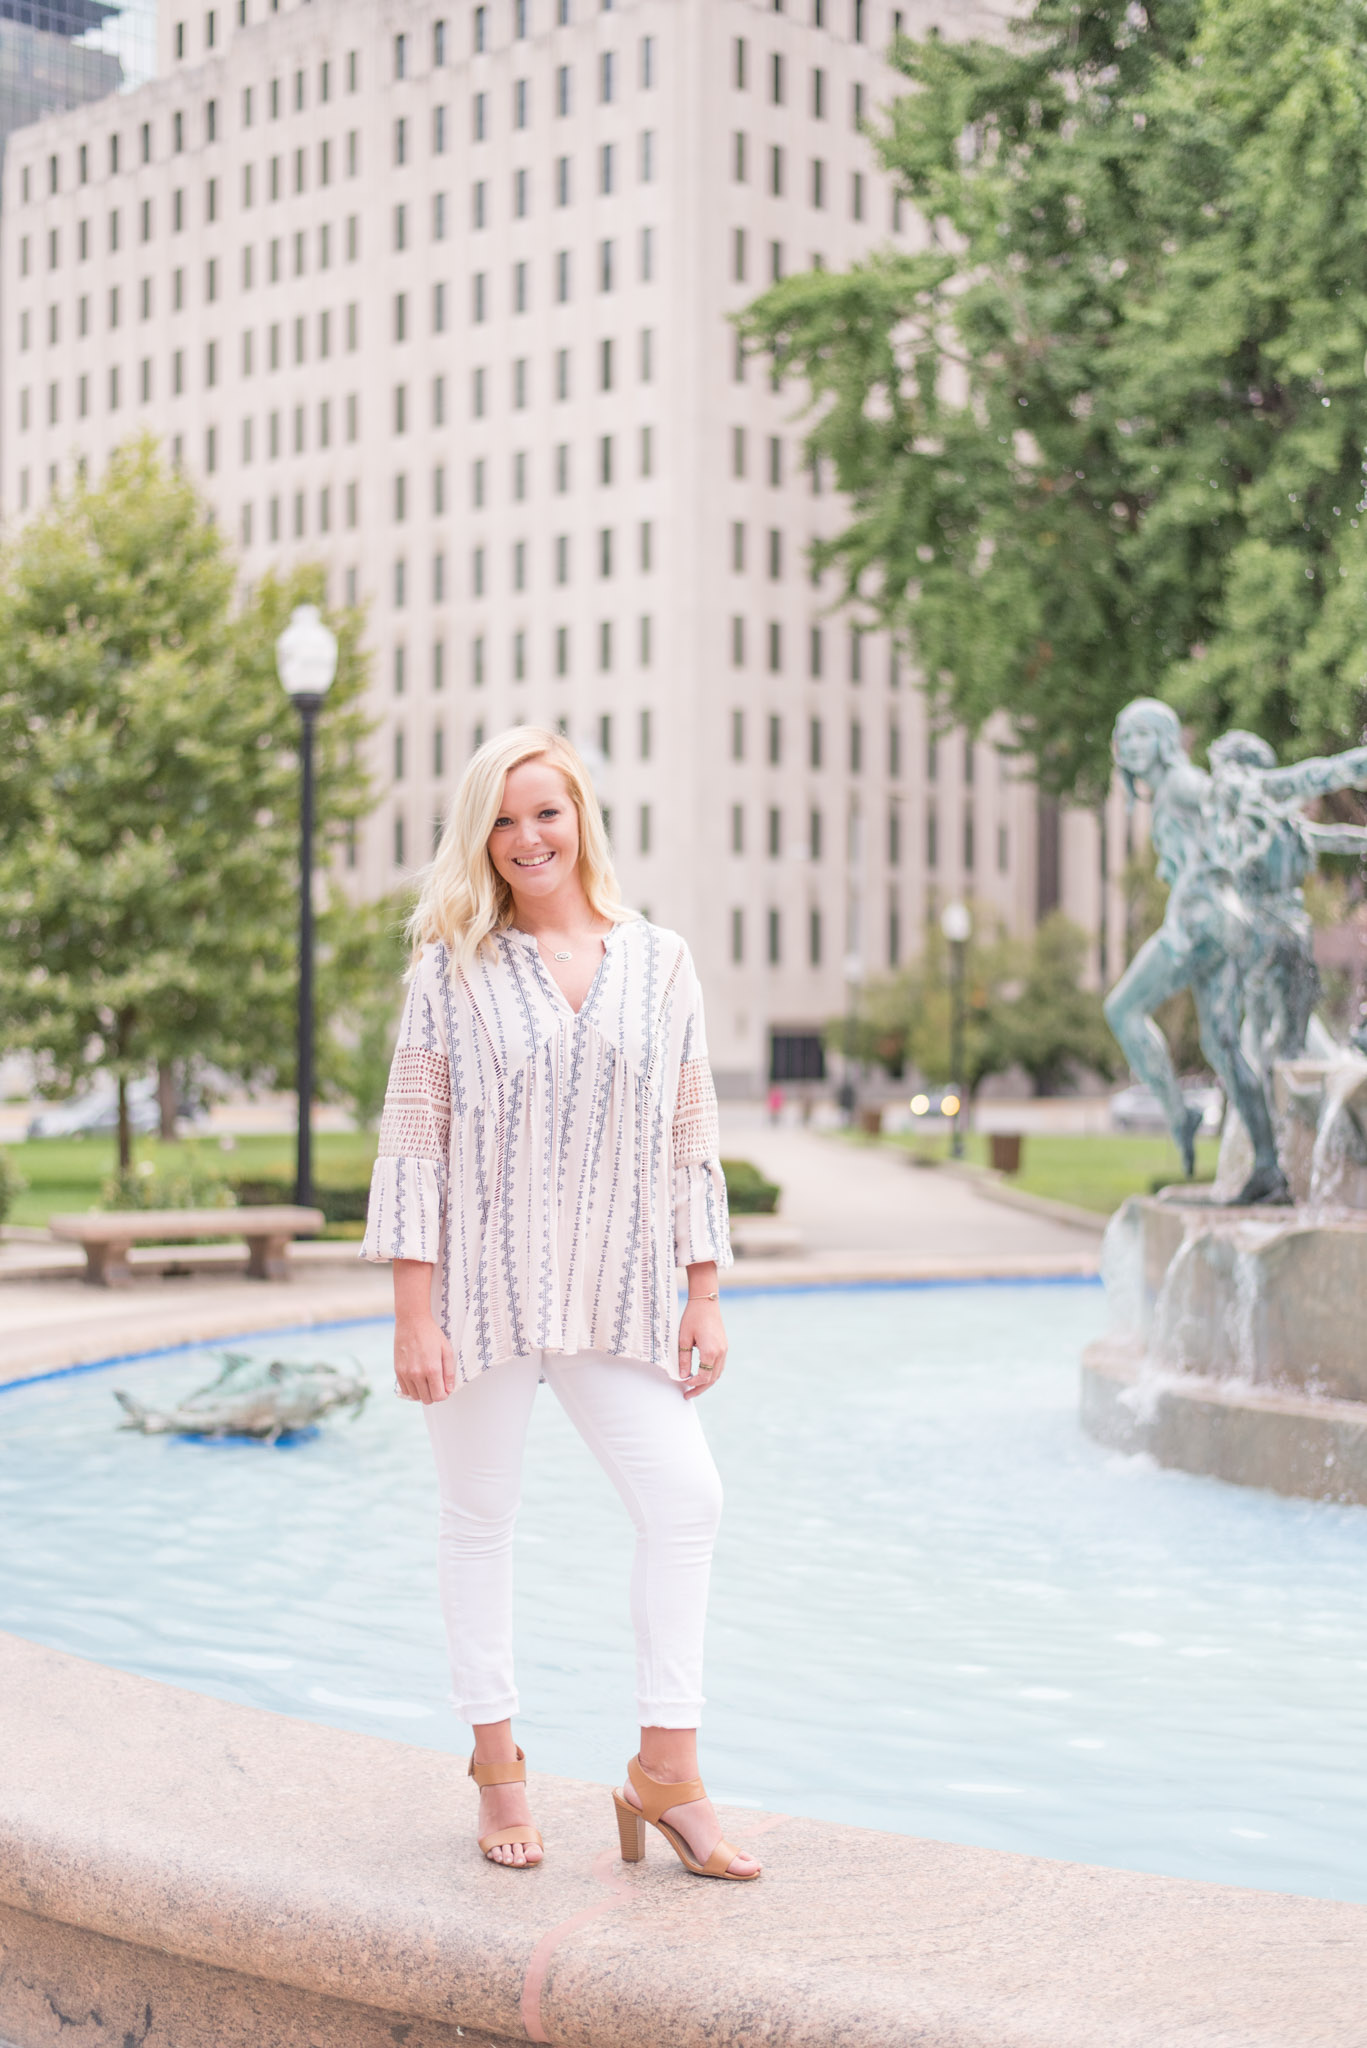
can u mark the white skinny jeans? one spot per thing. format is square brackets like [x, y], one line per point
[649, 1441]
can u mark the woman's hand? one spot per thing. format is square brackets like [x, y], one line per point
[702, 1329]
[424, 1363]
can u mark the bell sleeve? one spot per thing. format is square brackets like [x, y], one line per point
[409, 1182]
[701, 1220]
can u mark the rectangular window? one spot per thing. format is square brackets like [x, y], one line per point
[777, 81]
[738, 547]
[647, 255]
[818, 182]
[562, 650]
[775, 647]
[605, 266]
[607, 76]
[774, 937]
[479, 116]
[856, 195]
[478, 297]
[647, 156]
[775, 740]
[562, 90]
[775, 171]
[647, 355]
[738, 642]
[520, 384]
[775, 555]
[856, 747]
[520, 103]
[643, 829]
[605, 551]
[521, 195]
[738, 256]
[520, 287]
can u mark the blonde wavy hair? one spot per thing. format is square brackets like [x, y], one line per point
[462, 898]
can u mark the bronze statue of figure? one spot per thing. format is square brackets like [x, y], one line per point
[1235, 851]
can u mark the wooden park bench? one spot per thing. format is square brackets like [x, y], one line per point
[108, 1236]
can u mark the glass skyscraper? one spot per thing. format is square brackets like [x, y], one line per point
[70, 52]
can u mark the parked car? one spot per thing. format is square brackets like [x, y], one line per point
[1137, 1108]
[96, 1113]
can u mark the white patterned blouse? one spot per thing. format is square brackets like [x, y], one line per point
[554, 1168]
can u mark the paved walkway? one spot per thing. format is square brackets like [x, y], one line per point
[846, 1198]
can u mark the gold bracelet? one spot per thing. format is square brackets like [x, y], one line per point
[713, 1296]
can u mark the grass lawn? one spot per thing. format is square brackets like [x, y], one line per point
[68, 1173]
[1091, 1172]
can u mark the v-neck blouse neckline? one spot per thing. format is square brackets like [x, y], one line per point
[513, 931]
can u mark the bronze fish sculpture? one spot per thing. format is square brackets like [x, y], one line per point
[252, 1398]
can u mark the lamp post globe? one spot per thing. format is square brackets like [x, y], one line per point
[956, 922]
[306, 662]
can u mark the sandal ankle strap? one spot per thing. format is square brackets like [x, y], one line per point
[499, 1774]
[656, 1798]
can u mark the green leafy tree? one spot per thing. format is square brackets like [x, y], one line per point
[360, 979]
[148, 788]
[1024, 1006]
[1103, 434]
[1049, 1024]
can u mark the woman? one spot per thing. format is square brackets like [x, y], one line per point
[548, 1155]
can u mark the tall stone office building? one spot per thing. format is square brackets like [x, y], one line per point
[438, 293]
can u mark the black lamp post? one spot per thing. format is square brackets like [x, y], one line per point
[957, 926]
[306, 660]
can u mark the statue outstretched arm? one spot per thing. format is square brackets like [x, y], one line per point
[1336, 838]
[1316, 777]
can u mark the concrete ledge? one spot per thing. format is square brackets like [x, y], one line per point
[1226, 1429]
[176, 1872]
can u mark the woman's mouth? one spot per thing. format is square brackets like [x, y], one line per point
[531, 860]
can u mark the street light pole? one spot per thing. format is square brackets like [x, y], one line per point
[957, 926]
[306, 658]
[303, 1172]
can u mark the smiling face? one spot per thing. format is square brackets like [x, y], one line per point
[534, 845]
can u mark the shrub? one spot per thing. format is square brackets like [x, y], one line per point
[338, 1204]
[12, 1183]
[747, 1191]
[192, 1185]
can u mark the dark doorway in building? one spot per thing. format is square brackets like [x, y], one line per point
[796, 1056]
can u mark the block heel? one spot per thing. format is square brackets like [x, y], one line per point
[631, 1830]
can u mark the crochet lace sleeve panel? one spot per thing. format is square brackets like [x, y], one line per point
[696, 1133]
[416, 1123]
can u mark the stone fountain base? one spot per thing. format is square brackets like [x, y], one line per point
[1241, 1345]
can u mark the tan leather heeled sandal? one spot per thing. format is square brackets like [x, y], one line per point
[506, 1774]
[657, 1799]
